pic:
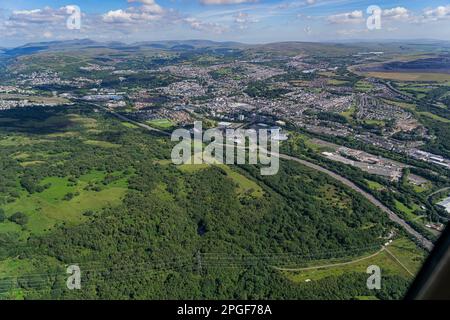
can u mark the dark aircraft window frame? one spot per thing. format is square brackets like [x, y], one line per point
[433, 280]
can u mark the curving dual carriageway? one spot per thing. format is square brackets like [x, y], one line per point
[424, 242]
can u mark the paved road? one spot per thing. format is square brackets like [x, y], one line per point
[394, 217]
[144, 126]
[427, 244]
[123, 118]
[403, 95]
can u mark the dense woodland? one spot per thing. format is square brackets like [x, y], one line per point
[175, 234]
[394, 191]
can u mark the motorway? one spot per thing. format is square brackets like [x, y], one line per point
[139, 124]
[427, 244]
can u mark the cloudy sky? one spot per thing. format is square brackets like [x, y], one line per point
[250, 21]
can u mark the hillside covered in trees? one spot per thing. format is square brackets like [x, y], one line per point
[80, 187]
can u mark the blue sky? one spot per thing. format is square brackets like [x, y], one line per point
[251, 21]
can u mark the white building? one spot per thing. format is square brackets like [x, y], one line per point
[445, 204]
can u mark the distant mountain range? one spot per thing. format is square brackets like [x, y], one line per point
[189, 45]
[172, 45]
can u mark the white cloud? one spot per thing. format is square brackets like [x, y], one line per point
[47, 34]
[439, 13]
[224, 2]
[199, 25]
[258, 21]
[241, 17]
[148, 10]
[125, 16]
[149, 6]
[397, 13]
[40, 24]
[356, 16]
[117, 16]
[46, 15]
[243, 20]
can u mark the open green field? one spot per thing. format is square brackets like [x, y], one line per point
[31, 163]
[161, 123]
[336, 82]
[412, 107]
[374, 122]
[363, 86]
[31, 158]
[300, 140]
[53, 206]
[403, 105]
[130, 125]
[422, 188]
[374, 185]
[434, 116]
[366, 298]
[20, 140]
[402, 257]
[244, 184]
[349, 113]
[409, 212]
[102, 144]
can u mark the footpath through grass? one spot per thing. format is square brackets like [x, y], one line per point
[404, 250]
